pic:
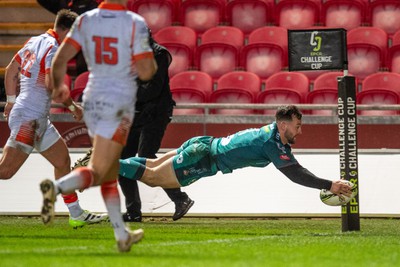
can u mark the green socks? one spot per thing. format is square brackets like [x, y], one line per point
[132, 168]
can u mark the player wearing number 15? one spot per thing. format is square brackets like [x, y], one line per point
[115, 44]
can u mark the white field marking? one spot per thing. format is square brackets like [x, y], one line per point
[164, 244]
[46, 250]
[220, 241]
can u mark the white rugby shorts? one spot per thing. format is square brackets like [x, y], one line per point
[27, 133]
[109, 116]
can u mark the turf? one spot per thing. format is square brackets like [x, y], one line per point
[203, 242]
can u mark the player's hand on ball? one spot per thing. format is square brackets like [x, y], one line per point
[341, 187]
[341, 193]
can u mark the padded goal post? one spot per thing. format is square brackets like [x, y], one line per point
[325, 49]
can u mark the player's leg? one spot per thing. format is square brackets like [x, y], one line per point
[163, 175]
[58, 155]
[150, 142]
[129, 187]
[11, 161]
[192, 163]
[19, 144]
[105, 165]
[151, 163]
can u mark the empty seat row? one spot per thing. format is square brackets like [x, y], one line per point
[281, 88]
[221, 49]
[248, 15]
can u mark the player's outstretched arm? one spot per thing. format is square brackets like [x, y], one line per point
[300, 175]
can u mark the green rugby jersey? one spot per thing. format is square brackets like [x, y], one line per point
[252, 147]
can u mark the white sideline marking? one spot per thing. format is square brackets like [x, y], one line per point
[164, 244]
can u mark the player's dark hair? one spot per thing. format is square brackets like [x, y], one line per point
[285, 113]
[65, 18]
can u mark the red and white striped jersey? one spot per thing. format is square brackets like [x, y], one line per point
[35, 60]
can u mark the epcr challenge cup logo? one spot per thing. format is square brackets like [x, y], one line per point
[315, 41]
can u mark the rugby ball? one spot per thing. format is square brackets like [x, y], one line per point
[331, 199]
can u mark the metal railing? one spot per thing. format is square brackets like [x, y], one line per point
[209, 117]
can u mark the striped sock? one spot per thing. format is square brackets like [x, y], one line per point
[111, 199]
[72, 203]
[78, 179]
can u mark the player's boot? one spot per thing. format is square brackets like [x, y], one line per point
[134, 237]
[132, 216]
[181, 208]
[49, 198]
[87, 218]
[83, 162]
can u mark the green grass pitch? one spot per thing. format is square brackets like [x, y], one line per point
[24, 241]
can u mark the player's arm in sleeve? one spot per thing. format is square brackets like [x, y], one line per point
[300, 175]
[11, 83]
[143, 56]
[285, 162]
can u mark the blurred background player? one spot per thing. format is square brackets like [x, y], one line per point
[205, 155]
[154, 108]
[115, 44]
[28, 114]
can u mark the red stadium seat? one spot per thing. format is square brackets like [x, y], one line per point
[393, 62]
[385, 14]
[366, 49]
[191, 87]
[177, 34]
[380, 89]
[236, 87]
[325, 91]
[201, 15]
[79, 85]
[284, 88]
[249, 15]
[180, 42]
[158, 14]
[219, 50]
[81, 80]
[347, 14]
[297, 14]
[266, 51]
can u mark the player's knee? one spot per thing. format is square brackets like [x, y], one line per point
[63, 164]
[6, 173]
